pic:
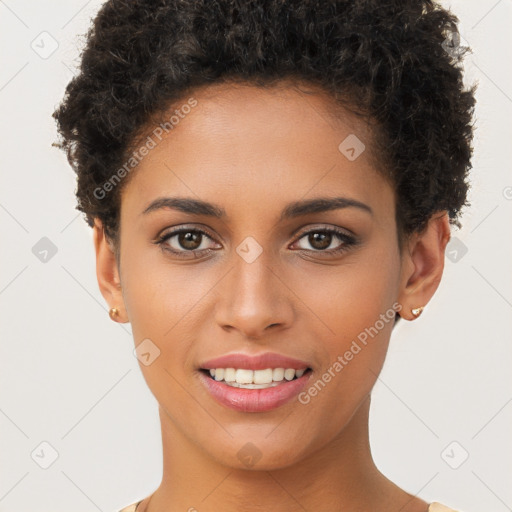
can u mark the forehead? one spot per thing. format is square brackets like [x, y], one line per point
[257, 147]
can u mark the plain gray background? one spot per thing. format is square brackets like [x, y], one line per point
[441, 414]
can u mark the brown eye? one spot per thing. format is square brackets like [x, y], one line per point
[186, 242]
[190, 240]
[321, 239]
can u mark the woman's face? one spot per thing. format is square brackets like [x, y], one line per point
[264, 277]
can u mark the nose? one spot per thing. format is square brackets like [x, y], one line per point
[254, 298]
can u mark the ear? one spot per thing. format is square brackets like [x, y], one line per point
[423, 264]
[107, 272]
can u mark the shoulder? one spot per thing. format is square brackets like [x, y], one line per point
[133, 507]
[438, 507]
[433, 507]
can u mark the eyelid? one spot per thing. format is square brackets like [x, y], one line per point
[185, 227]
[321, 227]
[298, 233]
[348, 241]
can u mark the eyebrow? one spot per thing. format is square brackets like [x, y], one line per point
[292, 210]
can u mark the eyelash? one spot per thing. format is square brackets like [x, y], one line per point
[348, 241]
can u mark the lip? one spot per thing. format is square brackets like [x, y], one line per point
[254, 400]
[255, 362]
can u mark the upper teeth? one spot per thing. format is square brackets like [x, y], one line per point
[243, 376]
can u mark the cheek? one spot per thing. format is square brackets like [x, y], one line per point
[350, 297]
[156, 295]
[163, 301]
[355, 304]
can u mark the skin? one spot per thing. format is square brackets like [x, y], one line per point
[252, 151]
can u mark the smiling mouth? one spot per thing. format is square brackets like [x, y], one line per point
[254, 379]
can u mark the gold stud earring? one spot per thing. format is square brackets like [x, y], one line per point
[417, 311]
[113, 313]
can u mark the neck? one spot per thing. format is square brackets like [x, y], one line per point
[340, 476]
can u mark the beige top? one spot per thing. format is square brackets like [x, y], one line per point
[434, 507]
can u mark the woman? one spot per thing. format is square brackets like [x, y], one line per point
[271, 185]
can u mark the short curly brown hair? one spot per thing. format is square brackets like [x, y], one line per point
[393, 62]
